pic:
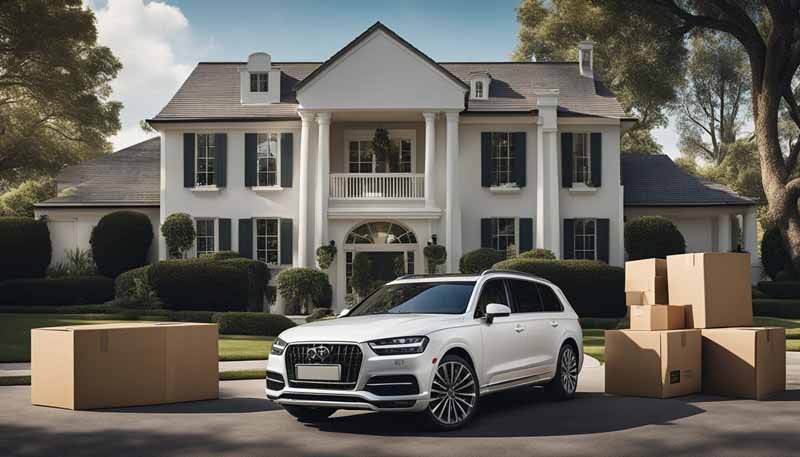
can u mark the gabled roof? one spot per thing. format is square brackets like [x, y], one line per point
[128, 177]
[655, 180]
[378, 26]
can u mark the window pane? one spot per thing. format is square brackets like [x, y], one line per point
[253, 82]
[526, 296]
[493, 292]
[550, 301]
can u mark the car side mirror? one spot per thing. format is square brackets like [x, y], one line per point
[344, 312]
[496, 310]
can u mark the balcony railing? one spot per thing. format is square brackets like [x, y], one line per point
[377, 186]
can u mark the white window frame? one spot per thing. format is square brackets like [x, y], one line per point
[277, 162]
[585, 155]
[478, 89]
[582, 222]
[260, 76]
[215, 237]
[367, 135]
[495, 230]
[277, 236]
[510, 155]
[213, 158]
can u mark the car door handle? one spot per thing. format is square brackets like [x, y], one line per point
[519, 329]
[553, 324]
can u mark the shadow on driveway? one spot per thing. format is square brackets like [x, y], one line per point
[236, 405]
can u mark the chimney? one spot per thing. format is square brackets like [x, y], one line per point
[586, 58]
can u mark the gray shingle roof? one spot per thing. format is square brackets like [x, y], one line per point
[128, 177]
[655, 180]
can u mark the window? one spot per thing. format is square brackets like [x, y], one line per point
[205, 166]
[348, 271]
[259, 82]
[581, 171]
[205, 237]
[267, 241]
[585, 239]
[504, 236]
[417, 298]
[503, 158]
[380, 233]
[494, 291]
[267, 157]
[410, 262]
[526, 296]
[478, 89]
[363, 160]
[550, 300]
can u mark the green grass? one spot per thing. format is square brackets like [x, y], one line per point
[244, 347]
[242, 374]
[594, 343]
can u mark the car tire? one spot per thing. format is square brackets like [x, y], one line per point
[565, 382]
[309, 413]
[454, 395]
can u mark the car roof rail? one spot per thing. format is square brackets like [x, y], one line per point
[435, 275]
[515, 272]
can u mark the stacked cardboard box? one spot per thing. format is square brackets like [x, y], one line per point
[718, 351]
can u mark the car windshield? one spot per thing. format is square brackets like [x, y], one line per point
[417, 297]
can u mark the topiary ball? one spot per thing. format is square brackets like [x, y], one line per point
[652, 237]
[121, 242]
[480, 260]
[25, 247]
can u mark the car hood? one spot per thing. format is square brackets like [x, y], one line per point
[360, 329]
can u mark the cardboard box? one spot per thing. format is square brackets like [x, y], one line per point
[745, 362]
[657, 317]
[658, 364]
[634, 297]
[648, 276]
[716, 285]
[112, 365]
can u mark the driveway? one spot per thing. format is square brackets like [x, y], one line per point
[514, 423]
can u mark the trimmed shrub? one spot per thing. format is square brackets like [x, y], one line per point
[120, 242]
[56, 291]
[258, 276]
[435, 255]
[361, 279]
[652, 237]
[325, 255]
[302, 288]
[770, 307]
[780, 289]
[774, 256]
[593, 288]
[319, 313]
[25, 244]
[479, 260]
[225, 255]
[538, 253]
[179, 234]
[125, 282]
[260, 324]
[199, 285]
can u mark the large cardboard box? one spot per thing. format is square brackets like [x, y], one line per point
[744, 362]
[648, 276]
[657, 317]
[716, 285]
[112, 365]
[658, 364]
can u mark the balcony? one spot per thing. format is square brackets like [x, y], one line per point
[377, 186]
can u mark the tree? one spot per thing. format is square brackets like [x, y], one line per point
[20, 201]
[54, 88]
[179, 234]
[769, 33]
[640, 61]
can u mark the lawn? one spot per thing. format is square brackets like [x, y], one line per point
[15, 336]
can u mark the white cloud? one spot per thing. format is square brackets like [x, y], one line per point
[154, 44]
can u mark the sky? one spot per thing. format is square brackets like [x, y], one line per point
[159, 42]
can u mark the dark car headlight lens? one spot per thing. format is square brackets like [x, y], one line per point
[401, 345]
[278, 346]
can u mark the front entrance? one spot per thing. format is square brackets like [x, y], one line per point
[387, 266]
[390, 247]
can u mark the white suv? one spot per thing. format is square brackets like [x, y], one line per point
[430, 344]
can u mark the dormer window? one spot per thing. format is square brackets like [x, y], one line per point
[479, 85]
[259, 82]
[478, 89]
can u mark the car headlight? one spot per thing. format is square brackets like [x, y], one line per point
[278, 346]
[401, 345]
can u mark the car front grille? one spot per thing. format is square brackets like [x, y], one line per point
[392, 385]
[348, 356]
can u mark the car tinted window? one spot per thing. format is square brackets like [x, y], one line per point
[421, 297]
[493, 291]
[549, 299]
[526, 296]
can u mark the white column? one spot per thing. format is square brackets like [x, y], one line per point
[302, 190]
[430, 151]
[548, 179]
[724, 233]
[452, 225]
[323, 184]
[553, 184]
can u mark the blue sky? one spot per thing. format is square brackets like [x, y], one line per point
[159, 42]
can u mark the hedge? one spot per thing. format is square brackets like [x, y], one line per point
[652, 236]
[780, 289]
[479, 260]
[25, 244]
[258, 276]
[121, 241]
[78, 290]
[199, 285]
[125, 282]
[770, 307]
[298, 286]
[538, 253]
[261, 324]
[594, 289]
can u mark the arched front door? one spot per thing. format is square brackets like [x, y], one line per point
[391, 247]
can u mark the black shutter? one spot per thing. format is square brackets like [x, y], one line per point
[518, 146]
[224, 234]
[250, 159]
[525, 234]
[286, 241]
[486, 159]
[246, 238]
[221, 158]
[287, 160]
[603, 233]
[188, 160]
[569, 239]
[596, 157]
[486, 233]
[566, 160]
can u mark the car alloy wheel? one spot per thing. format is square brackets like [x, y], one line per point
[453, 393]
[569, 370]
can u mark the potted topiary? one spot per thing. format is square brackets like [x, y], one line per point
[326, 254]
[435, 255]
[179, 234]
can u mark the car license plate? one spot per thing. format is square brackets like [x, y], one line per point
[318, 372]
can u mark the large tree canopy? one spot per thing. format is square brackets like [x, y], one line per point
[637, 57]
[54, 88]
